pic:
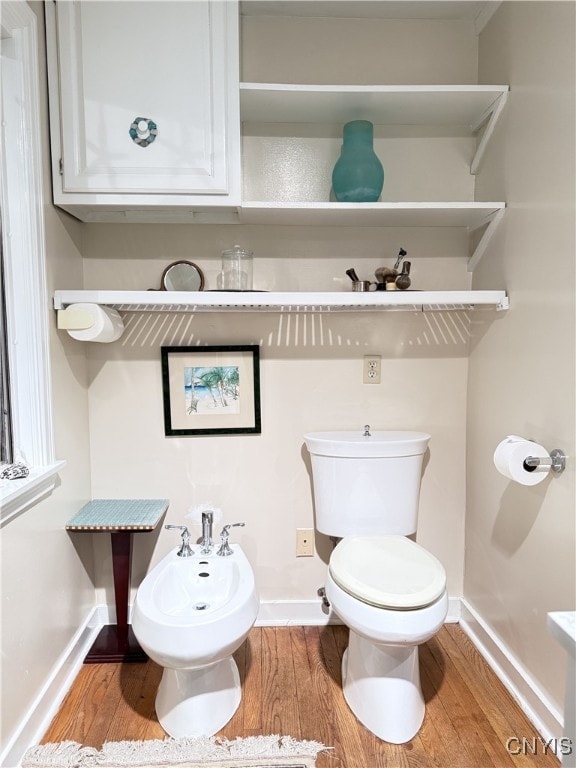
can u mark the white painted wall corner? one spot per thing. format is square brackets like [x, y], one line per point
[541, 712]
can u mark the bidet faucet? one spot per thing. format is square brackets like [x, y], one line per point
[184, 550]
[224, 549]
[207, 522]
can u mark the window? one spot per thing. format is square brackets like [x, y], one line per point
[6, 452]
[25, 369]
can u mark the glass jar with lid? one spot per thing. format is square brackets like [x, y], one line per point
[236, 272]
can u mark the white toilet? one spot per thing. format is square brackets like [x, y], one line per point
[387, 589]
[190, 614]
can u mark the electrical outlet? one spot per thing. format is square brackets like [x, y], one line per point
[304, 542]
[371, 369]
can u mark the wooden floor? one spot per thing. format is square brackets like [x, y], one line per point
[292, 685]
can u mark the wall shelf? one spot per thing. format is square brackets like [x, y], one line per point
[460, 109]
[220, 301]
[471, 215]
[451, 110]
[404, 214]
[460, 106]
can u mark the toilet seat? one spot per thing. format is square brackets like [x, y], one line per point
[387, 571]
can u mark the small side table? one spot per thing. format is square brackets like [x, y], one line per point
[121, 518]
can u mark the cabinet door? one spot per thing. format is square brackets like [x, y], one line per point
[145, 95]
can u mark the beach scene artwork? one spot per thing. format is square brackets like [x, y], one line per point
[214, 390]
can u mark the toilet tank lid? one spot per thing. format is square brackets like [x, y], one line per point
[387, 571]
[380, 443]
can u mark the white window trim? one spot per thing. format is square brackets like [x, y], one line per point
[22, 204]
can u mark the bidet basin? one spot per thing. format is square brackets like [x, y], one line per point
[194, 611]
[186, 587]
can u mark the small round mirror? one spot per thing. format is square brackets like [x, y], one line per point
[182, 276]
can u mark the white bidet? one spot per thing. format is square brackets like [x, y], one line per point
[190, 615]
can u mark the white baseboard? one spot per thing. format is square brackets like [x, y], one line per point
[46, 704]
[524, 690]
[296, 613]
[303, 613]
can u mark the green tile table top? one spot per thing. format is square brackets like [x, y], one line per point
[119, 515]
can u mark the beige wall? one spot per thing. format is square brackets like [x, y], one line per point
[47, 589]
[311, 378]
[520, 540]
[357, 51]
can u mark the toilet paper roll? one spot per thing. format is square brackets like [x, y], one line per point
[510, 455]
[107, 324]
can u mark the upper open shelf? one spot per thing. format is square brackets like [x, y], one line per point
[441, 105]
[463, 109]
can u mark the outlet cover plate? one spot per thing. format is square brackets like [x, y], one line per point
[304, 542]
[372, 369]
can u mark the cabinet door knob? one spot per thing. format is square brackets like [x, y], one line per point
[143, 131]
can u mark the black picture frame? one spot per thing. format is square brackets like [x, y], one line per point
[212, 390]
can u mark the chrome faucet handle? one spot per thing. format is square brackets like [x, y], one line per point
[185, 550]
[224, 550]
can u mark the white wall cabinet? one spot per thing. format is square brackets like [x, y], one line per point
[144, 106]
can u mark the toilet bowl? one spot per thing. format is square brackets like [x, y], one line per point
[387, 589]
[391, 593]
[190, 615]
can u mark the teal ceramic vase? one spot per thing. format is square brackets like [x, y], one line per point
[358, 175]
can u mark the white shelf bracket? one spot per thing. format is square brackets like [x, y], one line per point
[491, 115]
[492, 222]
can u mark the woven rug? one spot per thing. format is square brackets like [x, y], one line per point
[251, 752]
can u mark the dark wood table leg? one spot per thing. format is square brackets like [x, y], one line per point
[117, 642]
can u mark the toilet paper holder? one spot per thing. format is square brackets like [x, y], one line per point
[556, 461]
[87, 321]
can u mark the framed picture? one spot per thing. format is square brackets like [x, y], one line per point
[211, 390]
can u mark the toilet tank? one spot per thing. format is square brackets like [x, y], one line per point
[366, 485]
